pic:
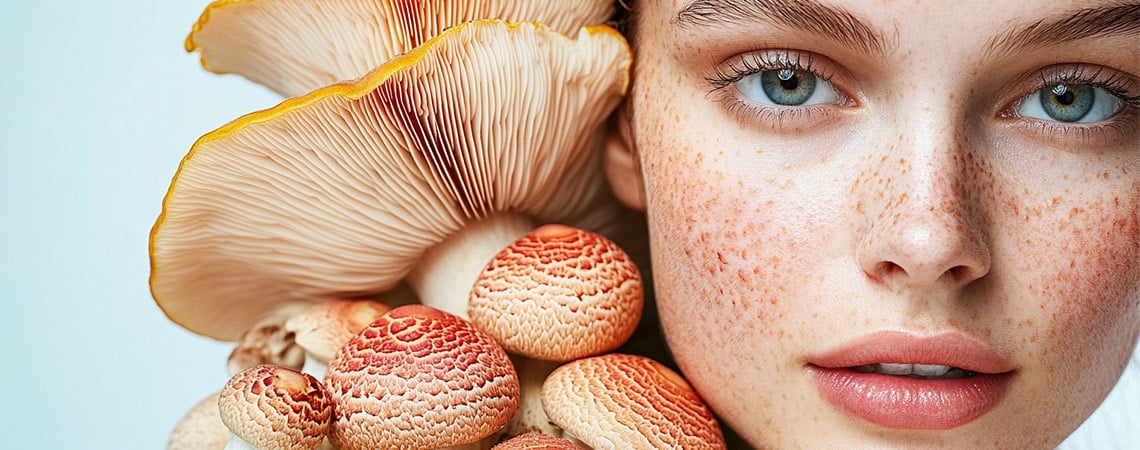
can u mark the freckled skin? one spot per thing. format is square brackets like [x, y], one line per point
[916, 211]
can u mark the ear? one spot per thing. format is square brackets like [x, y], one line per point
[622, 164]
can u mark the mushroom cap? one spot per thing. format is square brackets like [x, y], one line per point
[325, 327]
[419, 377]
[274, 407]
[201, 428]
[558, 294]
[535, 441]
[337, 193]
[617, 401]
[294, 46]
[265, 343]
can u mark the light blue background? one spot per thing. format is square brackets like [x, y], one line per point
[97, 106]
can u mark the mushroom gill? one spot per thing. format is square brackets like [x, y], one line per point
[338, 193]
[294, 46]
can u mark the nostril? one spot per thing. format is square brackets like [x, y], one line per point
[885, 270]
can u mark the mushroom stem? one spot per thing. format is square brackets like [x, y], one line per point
[314, 366]
[237, 443]
[445, 273]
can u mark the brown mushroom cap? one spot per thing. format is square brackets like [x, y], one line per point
[418, 377]
[265, 343]
[625, 401]
[294, 46]
[535, 441]
[276, 407]
[337, 193]
[201, 428]
[322, 329]
[558, 294]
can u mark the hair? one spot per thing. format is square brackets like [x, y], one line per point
[623, 19]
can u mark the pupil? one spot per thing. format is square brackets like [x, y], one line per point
[790, 84]
[1066, 98]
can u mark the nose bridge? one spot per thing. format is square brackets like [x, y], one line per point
[924, 230]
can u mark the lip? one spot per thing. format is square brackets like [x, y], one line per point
[909, 403]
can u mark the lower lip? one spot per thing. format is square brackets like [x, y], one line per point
[908, 403]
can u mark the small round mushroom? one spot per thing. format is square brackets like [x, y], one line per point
[618, 401]
[535, 441]
[418, 377]
[558, 294]
[201, 428]
[266, 343]
[294, 46]
[420, 171]
[322, 329]
[274, 407]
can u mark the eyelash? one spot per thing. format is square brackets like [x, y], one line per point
[1115, 83]
[753, 63]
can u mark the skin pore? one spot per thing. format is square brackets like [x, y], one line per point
[821, 177]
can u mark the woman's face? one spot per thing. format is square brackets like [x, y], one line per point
[896, 223]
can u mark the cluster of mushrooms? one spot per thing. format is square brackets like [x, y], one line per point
[415, 249]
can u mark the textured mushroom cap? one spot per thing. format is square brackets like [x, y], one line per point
[201, 428]
[558, 294]
[294, 46]
[266, 343]
[324, 328]
[535, 441]
[419, 377]
[337, 193]
[619, 401]
[273, 407]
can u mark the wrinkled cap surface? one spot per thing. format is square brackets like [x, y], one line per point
[324, 328]
[419, 377]
[619, 401]
[337, 193]
[294, 46]
[276, 407]
[201, 428]
[557, 294]
[535, 441]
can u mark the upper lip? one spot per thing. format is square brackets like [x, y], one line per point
[948, 349]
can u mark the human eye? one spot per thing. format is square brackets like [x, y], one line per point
[775, 84]
[1082, 98]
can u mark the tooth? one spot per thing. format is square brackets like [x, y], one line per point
[895, 369]
[928, 370]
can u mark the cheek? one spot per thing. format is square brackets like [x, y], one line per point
[1081, 263]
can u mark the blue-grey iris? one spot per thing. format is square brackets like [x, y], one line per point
[788, 87]
[1067, 103]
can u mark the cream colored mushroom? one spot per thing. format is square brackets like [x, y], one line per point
[535, 441]
[619, 401]
[558, 294]
[294, 46]
[274, 407]
[418, 377]
[266, 343]
[423, 169]
[322, 329]
[201, 428]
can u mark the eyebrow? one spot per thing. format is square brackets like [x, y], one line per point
[806, 15]
[1103, 21]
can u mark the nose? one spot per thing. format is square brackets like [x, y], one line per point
[927, 231]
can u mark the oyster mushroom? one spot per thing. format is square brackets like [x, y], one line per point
[274, 407]
[422, 169]
[618, 401]
[294, 46]
[418, 377]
